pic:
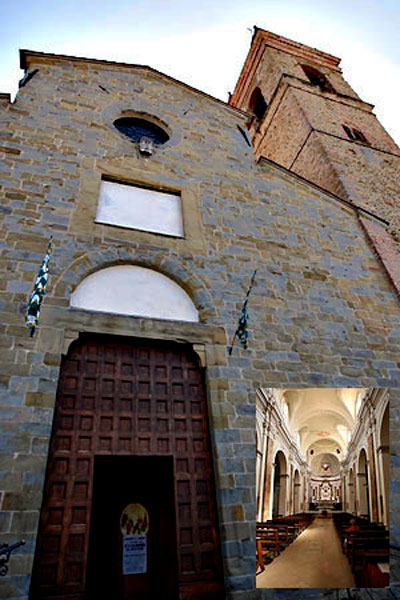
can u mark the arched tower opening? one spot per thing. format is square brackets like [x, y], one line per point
[257, 103]
[317, 78]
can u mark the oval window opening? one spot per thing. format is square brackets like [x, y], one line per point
[136, 128]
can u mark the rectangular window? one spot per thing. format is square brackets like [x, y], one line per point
[140, 208]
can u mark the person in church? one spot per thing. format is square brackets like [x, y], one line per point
[353, 526]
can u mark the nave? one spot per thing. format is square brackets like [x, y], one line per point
[313, 560]
[322, 467]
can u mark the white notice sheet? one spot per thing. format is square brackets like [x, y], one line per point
[134, 554]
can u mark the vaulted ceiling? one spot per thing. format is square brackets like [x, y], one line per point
[322, 420]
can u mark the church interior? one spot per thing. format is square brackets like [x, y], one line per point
[322, 484]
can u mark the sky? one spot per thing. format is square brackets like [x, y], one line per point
[205, 43]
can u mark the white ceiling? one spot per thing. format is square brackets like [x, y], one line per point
[322, 419]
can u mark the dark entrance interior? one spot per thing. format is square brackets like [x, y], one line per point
[119, 482]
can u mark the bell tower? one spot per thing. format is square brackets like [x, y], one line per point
[304, 116]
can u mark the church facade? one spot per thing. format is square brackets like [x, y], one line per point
[124, 412]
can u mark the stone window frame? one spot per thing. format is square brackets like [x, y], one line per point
[83, 220]
[115, 112]
[154, 129]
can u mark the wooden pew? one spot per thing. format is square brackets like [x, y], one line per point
[365, 557]
[268, 543]
[259, 556]
[275, 535]
[375, 573]
[365, 547]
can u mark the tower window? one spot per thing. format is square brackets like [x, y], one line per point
[257, 104]
[315, 77]
[355, 134]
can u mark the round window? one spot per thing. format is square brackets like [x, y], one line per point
[136, 128]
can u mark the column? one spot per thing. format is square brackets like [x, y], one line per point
[372, 480]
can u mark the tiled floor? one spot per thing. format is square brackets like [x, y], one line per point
[313, 560]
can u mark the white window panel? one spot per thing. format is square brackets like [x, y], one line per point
[139, 208]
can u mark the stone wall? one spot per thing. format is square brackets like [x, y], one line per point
[322, 312]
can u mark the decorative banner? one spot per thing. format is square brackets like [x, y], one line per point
[243, 324]
[134, 520]
[134, 554]
[39, 290]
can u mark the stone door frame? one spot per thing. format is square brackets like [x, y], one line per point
[61, 326]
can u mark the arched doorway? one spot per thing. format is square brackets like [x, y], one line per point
[363, 491]
[280, 485]
[296, 492]
[127, 408]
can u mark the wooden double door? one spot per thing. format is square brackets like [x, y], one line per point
[129, 507]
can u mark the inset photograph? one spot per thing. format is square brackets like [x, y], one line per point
[322, 482]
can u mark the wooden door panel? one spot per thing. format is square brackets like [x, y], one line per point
[127, 398]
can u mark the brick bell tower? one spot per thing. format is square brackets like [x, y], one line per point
[306, 117]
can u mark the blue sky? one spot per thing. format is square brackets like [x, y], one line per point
[205, 43]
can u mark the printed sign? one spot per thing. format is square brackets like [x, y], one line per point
[134, 520]
[134, 554]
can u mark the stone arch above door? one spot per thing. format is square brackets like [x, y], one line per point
[171, 265]
[134, 290]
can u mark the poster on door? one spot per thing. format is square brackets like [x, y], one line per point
[134, 554]
[134, 525]
[134, 520]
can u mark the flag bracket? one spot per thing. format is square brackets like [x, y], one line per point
[242, 332]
